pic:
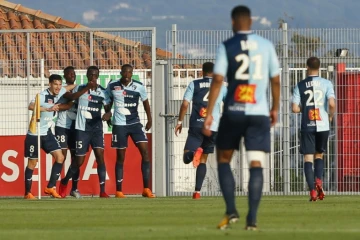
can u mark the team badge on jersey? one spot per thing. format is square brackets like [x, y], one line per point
[203, 112]
[245, 93]
[314, 114]
[50, 101]
[89, 97]
[124, 92]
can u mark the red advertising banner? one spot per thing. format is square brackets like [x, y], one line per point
[13, 163]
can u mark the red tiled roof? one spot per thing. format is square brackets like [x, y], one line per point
[60, 49]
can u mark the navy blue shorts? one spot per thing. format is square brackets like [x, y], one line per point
[120, 135]
[84, 139]
[313, 142]
[196, 139]
[48, 143]
[65, 137]
[254, 129]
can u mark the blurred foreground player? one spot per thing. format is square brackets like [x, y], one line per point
[249, 62]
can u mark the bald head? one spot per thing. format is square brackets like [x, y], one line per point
[241, 18]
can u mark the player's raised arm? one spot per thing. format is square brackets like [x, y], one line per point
[76, 94]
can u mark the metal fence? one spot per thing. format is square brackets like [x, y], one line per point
[284, 170]
[28, 57]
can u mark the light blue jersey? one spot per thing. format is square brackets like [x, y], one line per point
[248, 61]
[198, 92]
[126, 101]
[89, 105]
[312, 95]
[66, 118]
[47, 100]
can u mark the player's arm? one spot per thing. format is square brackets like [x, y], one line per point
[144, 99]
[274, 75]
[76, 94]
[42, 109]
[188, 95]
[183, 109]
[220, 71]
[65, 106]
[70, 87]
[330, 94]
[107, 102]
[295, 107]
[332, 108]
[148, 114]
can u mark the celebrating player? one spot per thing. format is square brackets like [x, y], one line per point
[198, 146]
[65, 128]
[314, 97]
[48, 142]
[125, 94]
[249, 62]
[89, 127]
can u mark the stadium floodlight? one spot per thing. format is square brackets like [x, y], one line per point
[342, 52]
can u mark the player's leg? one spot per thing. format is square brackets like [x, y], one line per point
[307, 148]
[139, 137]
[120, 143]
[97, 144]
[192, 149]
[228, 140]
[208, 144]
[257, 144]
[76, 177]
[31, 152]
[321, 139]
[82, 141]
[52, 146]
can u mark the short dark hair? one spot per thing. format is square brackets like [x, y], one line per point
[208, 67]
[313, 63]
[126, 66]
[240, 11]
[92, 68]
[54, 77]
[68, 68]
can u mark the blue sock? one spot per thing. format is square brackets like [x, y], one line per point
[309, 175]
[318, 168]
[188, 157]
[119, 172]
[227, 185]
[75, 180]
[70, 173]
[145, 169]
[101, 169]
[200, 175]
[255, 192]
[28, 179]
[55, 174]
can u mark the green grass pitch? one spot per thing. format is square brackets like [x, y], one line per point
[280, 217]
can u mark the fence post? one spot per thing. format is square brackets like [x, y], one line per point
[91, 48]
[159, 139]
[28, 56]
[153, 95]
[286, 109]
[173, 41]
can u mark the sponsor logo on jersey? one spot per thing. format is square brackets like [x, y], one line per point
[203, 112]
[245, 93]
[314, 115]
